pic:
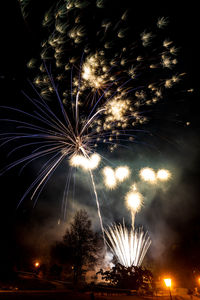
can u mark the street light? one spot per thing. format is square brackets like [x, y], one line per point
[168, 283]
[37, 264]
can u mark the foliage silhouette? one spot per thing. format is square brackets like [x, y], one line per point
[128, 278]
[79, 247]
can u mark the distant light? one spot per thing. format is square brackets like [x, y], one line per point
[113, 177]
[168, 282]
[148, 174]
[163, 174]
[121, 173]
[134, 201]
[79, 161]
[37, 264]
[109, 177]
[84, 162]
[94, 161]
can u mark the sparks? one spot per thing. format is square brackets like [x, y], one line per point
[84, 162]
[109, 177]
[128, 246]
[113, 177]
[97, 91]
[122, 173]
[148, 174]
[163, 175]
[134, 201]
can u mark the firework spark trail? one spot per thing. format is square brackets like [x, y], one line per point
[66, 145]
[98, 206]
[65, 194]
[96, 198]
[104, 99]
[66, 28]
[128, 246]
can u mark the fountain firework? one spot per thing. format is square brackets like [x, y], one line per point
[128, 246]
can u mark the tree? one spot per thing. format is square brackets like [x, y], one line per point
[128, 278]
[79, 246]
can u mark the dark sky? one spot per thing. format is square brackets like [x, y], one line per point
[171, 213]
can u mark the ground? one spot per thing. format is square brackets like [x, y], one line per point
[71, 295]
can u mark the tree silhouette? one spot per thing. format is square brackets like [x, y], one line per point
[79, 246]
[128, 278]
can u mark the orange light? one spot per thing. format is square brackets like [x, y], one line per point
[168, 282]
[37, 264]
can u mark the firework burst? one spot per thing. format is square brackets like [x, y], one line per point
[128, 246]
[100, 82]
[163, 175]
[113, 177]
[149, 175]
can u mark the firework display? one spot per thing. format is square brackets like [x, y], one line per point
[113, 177]
[94, 81]
[122, 173]
[163, 175]
[84, 162]
[150, 176]
[101, 90]
[131, 70]
[109, 177]
[128, 246]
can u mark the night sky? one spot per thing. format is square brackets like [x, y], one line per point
[171, 211]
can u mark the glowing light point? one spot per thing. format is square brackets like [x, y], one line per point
[134, 201]
[148, 174]
[122, 173]
[109, 177]
[37, 264]
[168, 282]
[163, 174]
[94, 161]
[85, 163]
[77, 161]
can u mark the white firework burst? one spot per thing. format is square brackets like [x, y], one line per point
[129, 246]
